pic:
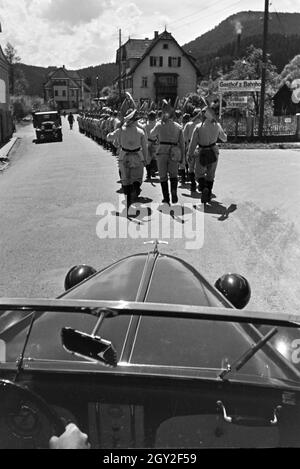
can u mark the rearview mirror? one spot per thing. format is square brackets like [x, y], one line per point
[88, 346]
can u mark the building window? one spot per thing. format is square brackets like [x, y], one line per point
[166, 46]
[174, 61]
[145, 82]
[56, 93]
[156, 61]
[64, 93]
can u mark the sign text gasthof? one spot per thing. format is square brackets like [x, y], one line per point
[239, 85]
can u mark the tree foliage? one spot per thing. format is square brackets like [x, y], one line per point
[113, 97]
[18, 84]
[291, 71]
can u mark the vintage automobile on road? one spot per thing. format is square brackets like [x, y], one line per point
[146, 353]
[48, 126]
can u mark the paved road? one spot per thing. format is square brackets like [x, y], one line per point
[51, 203]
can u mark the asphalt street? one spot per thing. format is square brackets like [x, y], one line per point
[58, 201]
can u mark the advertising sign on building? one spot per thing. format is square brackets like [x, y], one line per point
[239, 85]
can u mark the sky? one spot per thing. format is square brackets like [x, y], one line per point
[82, 33]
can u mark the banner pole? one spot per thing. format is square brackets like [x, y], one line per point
[220, 107]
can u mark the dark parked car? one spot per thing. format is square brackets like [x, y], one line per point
[147, 353]
[47, 126]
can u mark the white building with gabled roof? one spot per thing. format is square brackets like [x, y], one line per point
[158, 68]
[67, 89]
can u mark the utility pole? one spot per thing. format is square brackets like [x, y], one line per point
[120, 65]
[263, 72]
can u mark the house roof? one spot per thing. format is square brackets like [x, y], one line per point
[135, 48]
[63, 73]
[284, 90]
[165, 36]
[73, 74]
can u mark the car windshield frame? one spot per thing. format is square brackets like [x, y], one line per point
[114, 309]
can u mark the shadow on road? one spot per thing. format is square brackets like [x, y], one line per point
[175, 212]
[232, 208]
[216, 208]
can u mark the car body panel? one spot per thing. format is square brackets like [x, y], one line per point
[167, 387]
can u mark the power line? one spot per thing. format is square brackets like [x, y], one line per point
[196, 16]
[195, 12]
[206, 16]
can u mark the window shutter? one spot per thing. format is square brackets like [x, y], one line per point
[179, 61]
[160, 61]
[170, 61]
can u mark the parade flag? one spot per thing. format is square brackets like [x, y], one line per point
[144, 107]
[131, 100]
[185, 105]
[152, 106]
[124, 108]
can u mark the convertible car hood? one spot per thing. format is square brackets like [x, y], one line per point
[153, 278]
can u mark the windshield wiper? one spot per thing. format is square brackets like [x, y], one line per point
[240, 362]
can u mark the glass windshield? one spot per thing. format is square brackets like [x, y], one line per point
[160, 342]
[45, 338]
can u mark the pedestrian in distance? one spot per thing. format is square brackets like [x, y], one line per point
[71, 120]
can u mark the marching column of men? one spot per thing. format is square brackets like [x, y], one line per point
[168, 142]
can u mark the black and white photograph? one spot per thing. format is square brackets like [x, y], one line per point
[149, 227]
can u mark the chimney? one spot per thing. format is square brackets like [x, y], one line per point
[238, 44]
[155, 34]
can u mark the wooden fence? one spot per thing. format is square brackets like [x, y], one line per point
[287, 127]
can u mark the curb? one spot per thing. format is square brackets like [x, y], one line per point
[4, 153]
[6, 149]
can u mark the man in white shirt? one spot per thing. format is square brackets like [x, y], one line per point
[133, 155]
[206, 135]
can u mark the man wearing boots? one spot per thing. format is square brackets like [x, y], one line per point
[133, 155]
[187, 134]
[151, 166]
[205, 135]
[170, 152]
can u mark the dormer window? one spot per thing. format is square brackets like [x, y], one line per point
[165, 46]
